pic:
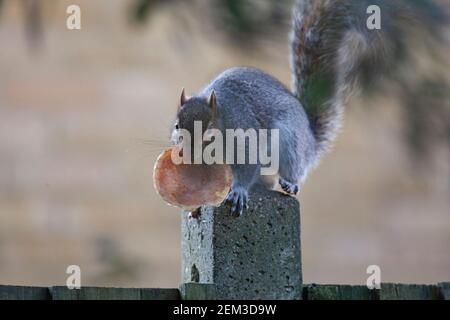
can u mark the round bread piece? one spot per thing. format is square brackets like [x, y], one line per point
[189, 186]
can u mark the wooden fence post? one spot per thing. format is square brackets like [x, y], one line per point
[256, 256]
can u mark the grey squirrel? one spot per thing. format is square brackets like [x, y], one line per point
[332, 50]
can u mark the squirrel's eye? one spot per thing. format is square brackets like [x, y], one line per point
[177, 126]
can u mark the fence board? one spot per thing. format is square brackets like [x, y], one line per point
[24, 293]
[197, 291]
[160, 294]
[338, 292]
[444, 288]
[95, 293]
[396, 291]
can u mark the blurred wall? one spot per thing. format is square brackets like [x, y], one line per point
[84, 115]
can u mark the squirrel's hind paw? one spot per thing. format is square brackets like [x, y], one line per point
[238, 199]
[288, 187]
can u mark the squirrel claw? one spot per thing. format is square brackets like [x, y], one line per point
[288, 187]
[238, 198]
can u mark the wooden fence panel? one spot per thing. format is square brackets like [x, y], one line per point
[24, 293]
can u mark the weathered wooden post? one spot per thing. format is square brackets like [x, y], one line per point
[256, 256]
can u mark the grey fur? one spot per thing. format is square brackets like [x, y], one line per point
[331, 50]
[248, 98]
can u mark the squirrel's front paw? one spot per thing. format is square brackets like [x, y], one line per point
[238, 199]
[288, 187]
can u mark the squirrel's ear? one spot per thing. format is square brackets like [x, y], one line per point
[212, 102]
[183, 98]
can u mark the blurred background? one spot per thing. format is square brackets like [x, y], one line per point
[84, 114]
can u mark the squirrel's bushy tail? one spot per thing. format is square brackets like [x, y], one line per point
[333, 49]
